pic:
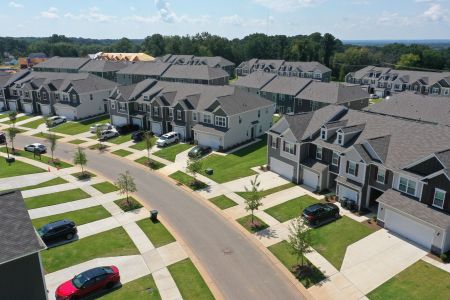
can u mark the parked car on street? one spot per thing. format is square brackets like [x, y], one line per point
[108, 134]
[124, 129]
[35, 147]
[102, 127]
[320, 213]
[138, 135]
[88, 282]
[199, 151]
[56, 120]
[58, 230]
[167, 139]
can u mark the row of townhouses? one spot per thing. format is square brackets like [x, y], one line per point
[294, 94]
[210, 61]
[217, 116]
[386, 81]
[398, 167]
[300, 69]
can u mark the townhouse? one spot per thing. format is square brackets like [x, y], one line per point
[396, 167]
[62, 64]
[139, 71]
[386, 81]
[210, 61]
[311, 69]
[294, 94]
[10, 99]
[217, 116]
[73, 95]
[104, 68]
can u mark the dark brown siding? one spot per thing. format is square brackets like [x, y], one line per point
[440, 182]
[373, 171]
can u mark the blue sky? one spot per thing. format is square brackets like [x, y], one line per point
[346, 19]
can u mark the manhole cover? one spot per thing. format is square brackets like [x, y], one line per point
[227, 251]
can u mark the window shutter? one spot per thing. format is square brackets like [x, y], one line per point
[386, 177]
[278, 143]
[346, 167]
[295, 149]
[356, 171]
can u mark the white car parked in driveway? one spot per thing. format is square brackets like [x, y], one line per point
[167, 139]
[35, 147]
[102, 127]
[108, 134]
[56, 120]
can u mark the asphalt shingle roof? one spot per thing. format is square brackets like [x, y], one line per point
[104, 66]
[194, 72]
[145, 68]
[332, 92]
[255, 80]
[286, 85]
[56, 62]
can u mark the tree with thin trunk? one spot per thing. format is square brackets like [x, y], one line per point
[148, 140]
[52, 139]
[80, 159]
[47, 122]
[126, 185]
[253, 201]
[13, 118]
[98, 133]
[299, 239]
[194, 167]
[12, 132]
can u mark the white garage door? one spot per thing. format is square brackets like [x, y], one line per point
[310, 179]
[283, 169]
[181, 131]
[12, 106]
[412, 230]
[119, 120]
[156, 128]
[208, 140]
[68, 113]
[45, 110]
[345, 192]
[137, 121]
[28, 108]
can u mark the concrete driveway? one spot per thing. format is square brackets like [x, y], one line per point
[378, 257]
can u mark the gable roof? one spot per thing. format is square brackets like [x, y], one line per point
[145, 68]
[194, 72]
[18, 237]
[332, 92]
[286, 85]
[255, 80]
[56, 62]
[104, 66]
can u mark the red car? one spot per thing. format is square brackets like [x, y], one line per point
[88, 282]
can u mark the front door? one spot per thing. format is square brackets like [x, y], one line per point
[253, 133]
[169, 127]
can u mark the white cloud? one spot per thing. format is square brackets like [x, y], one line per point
[436, 12]
[165, 11]
[287, 5]
[15, 4]
[93, 14]
[393, 18]
[236, 20]
[51, 13]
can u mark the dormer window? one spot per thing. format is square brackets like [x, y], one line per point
[323, 134]
[340, 138]
[319, 151]
[439, 198]
[146, 98]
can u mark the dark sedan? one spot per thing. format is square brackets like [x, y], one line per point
[320, 213]
[199, 151]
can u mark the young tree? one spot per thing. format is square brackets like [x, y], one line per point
[148, 139]
[47, 121]
[13, 118]
[98, 133]
[126, 185]
[253, 202]
[80, 158]
[194, 167]
[12, 132]
[52, 139]
[299, 239]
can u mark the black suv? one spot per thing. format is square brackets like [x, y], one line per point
[124, 129]
[138, 136]
[59, 230]
[320, 213]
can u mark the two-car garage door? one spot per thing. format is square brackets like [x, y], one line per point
[283, 169]
[410, 229]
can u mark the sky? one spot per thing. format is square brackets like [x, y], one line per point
[345, 19]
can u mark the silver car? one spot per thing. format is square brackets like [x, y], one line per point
[35, 147]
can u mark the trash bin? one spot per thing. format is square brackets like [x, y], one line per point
[154, 215]
[209, 171]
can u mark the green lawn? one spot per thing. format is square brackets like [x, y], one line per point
[246, 223]
[291, 209]
[80, 217]
[170, 152]
[156, 232]
[99, 146]
[122, 152]
[132, 204]
[77, 142]
[375, 101]
[105, 187]
[142, 145]
[189, 281]
[55, 198]
[114, 242]
[51, 182]
[275, 119]
[142, 288]
[120, 139]
[332, 240]
[187, 180]
[18, 119]
[43, 135]
[73, 128]
[223, 202]
[237, 164]
[155, 165]
[83, 176]
[41, 158]
[34, 124]
[283, 252]
[419, 281]
[264, 193]
[17, 168]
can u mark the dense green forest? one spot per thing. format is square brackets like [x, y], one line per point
[324, 48]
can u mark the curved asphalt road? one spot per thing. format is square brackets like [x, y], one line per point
[245, 273]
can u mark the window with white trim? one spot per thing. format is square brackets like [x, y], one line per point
[319, 151]
[179, 115]
[170, 112]
[194, 116]
[220, 121]
[155, 110]
[446, 92]
[435, 91]
[14, 92]
[352, 168]
[381, 176]
[335, 159]
[207, 119]
[27, 94]
[323, 134]
[289, 147]
[65, 97]
[122, 106]
[439, 198]
[44, 96]
[113, 104]
[407, 186]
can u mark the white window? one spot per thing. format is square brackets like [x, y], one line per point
[381, 176]
[340, 139]
[319, 152]
[317, 75]
[323, 134]
[65, 97]
[352, 166]
[439, 198]
[194, 116]
[435, 91]
[170, 112]
[155, 110]
[407, 186]
[207, 119]
[335, 159]
[289, 147]
[44, 96]
[274, 142]
[113, 104]
[221, 121]
[179, 115]
[122, 106]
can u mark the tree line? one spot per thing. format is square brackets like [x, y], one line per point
[327, 49]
